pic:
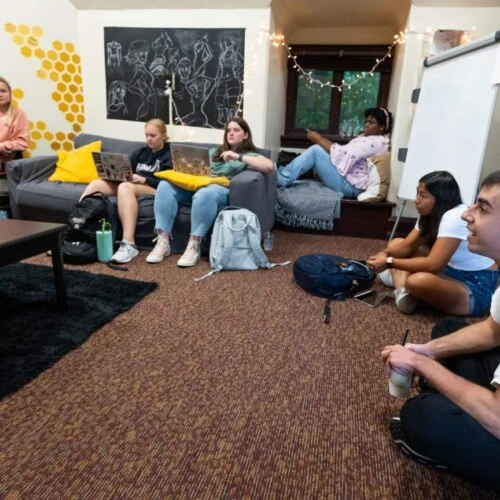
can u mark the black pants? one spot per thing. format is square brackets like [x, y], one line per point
[439, 429]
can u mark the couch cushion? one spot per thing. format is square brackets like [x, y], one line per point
[77, 165]
[109, 144]
[379, 177]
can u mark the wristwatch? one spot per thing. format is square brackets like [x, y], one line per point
[388, 262]
[240, 157]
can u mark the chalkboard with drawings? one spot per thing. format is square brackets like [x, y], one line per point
[207, 65]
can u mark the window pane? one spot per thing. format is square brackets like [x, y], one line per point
[313, 101]
[362, 95]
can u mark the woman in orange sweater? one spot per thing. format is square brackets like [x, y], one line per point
[14, 128]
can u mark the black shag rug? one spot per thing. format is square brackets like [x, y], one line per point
[34, 334]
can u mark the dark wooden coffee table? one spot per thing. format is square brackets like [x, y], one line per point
[20, 239]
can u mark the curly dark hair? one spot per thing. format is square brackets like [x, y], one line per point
[445, 189]
[383, 117]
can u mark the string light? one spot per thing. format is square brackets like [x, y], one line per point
[278, 40]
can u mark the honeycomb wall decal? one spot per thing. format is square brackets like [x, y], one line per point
[59, 64]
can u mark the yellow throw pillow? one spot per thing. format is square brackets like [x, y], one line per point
[191, 182]
[78, 165]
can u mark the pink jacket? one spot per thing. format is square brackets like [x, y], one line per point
[350, 159]
[15, 136]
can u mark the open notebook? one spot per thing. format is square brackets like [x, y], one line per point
[113, 166]
[190, 159]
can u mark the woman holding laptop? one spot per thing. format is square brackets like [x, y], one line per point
[153, 157]
[236, 154]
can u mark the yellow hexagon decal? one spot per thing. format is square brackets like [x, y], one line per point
[66, 77]
[32, 144]
[52, 55]
[41, 125]
[40, 53]
[71, 68]
[59, 66]
[35, 134]
[68, 97]
[73, 88]
[77, 79]
[75, 58]
[10, 28]
[48, 136]
[64, 56]
[80, 119]
[71, 136]
[37, 31]
[46, 64]
[54, 76]
[69, 47]
[70, 117]
[61, 86]
[77, 127]
[24, 29]
[79, 98]
[32, 41]
[18, 39]
[60, 136]
[42, 74]
[26, 51]
[56, 96]
[17, 93]
[55, 146]
[67, 146]
[74, 108]
[63, 107]
[57, 45]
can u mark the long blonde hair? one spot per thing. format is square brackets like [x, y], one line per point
[160, 125]
[8, 115]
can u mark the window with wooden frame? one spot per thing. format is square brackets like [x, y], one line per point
[338, 115]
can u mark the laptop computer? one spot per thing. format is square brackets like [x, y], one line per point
[113, 167]
[190, 159]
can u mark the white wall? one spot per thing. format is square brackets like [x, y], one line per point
[91, 25]
[43, 28]
[478, 21]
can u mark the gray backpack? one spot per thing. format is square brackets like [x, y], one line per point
[235, 244]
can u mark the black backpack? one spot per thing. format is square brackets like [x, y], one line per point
[331, 277]
[79, 241]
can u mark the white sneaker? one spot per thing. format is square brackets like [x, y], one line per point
[404, 301]
[191, 255]
[385, 278]
[125, 253]
[160, 251]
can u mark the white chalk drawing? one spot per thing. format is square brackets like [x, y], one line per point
[205, 65]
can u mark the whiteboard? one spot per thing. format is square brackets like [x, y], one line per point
[456, 108]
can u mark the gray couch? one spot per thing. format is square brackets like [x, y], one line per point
[33, 197]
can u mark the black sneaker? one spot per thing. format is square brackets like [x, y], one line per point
[397, 434]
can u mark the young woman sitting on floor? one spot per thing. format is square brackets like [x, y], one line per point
[433, 263]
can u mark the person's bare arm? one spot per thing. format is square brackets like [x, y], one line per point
[317, 138]
[482, 404]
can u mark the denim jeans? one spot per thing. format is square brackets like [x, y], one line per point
[205, 204]
[317, 157]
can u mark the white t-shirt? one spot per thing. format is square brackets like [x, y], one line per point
[495, 314]
[452, 226]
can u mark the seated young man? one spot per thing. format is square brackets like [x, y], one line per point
[454, 422]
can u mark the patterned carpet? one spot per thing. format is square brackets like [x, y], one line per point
[227, 388]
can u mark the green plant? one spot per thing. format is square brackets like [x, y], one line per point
[105, 225]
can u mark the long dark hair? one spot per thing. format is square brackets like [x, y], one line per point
[443, 186]
[246, 146]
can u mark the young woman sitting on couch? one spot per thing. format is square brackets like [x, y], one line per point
[236, 154]
[14, 127]
[343, 168]
[433, 263]
[154, 157]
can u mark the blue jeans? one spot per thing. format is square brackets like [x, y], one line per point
[205, 204]
[481, 286]
[317, 157]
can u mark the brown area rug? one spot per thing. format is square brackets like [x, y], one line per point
[227, 388]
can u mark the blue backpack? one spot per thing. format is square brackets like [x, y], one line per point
[331, 276]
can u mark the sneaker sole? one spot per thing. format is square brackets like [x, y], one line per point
[190, 264]
[397, 436]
